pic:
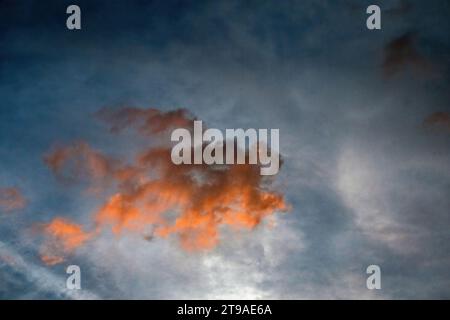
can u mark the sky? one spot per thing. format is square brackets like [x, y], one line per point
[85, 121]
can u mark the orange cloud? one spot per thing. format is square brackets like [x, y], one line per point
[151, 194]
[79, 159]
[69, 234]
[62, 237]
[11, 199]
[51, 260]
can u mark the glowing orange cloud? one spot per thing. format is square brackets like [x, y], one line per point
[11, 199]
[70, 235]
[63, 236]
[51, 260]
[154, 195]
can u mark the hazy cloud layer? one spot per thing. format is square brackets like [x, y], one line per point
[363, 133]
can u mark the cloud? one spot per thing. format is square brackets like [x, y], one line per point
[51, 259]
[401, 53]
[43, 279]
[146, 121]
[151, 195]
[77, 160]
[241, 66]
[366, 190]
[244, 266]
[438, 120]
[62, 237]
[11, 199]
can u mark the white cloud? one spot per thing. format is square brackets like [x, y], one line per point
[237, 269]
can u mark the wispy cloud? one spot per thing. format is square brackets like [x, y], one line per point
[11, 199]
[40, 276]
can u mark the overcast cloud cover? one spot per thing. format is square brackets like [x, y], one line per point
[364, 133]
